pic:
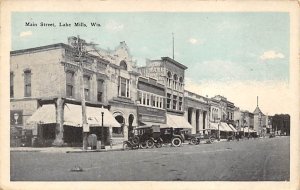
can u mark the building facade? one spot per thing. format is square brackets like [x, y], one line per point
[196, 111]
[109, 81]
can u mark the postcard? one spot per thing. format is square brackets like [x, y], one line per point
[153, 95]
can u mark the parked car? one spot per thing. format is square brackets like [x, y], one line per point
[144, 137]
[173, 136]
[206, 134]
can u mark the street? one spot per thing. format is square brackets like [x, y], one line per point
[265, 159]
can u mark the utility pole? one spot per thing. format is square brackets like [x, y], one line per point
[173, 44]
[79, 54]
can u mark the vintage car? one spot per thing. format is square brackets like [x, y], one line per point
[145, 137]
[208, 135]
[173, 136]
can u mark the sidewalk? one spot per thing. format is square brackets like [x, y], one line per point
[117, 147]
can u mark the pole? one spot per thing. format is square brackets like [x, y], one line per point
[102, 133]
[173, 43]
[85, 127]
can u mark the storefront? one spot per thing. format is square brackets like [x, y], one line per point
[47, 117]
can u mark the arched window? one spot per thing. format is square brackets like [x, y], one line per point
[123, 65]
[175, 77]
[169, 74]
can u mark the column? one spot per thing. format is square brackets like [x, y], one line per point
[194, 121]
[201, 120]
[59, 123]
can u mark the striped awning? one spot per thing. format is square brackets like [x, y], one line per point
[43, 115]
[232, 127]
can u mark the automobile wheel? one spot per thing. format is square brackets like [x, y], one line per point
[143, 145]
[150, 143]
[125, 146]
[176, 142]
[135, 140]
[211, 139]
[194, 141]
[158, 145]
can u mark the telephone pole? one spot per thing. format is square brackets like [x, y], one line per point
[80, 52]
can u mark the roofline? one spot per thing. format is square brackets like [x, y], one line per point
[57, 45]
[175, 62]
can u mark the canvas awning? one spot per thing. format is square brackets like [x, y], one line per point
[225, 127]
[232, 127]
[43, 115]
[176, 121]
[73, 116]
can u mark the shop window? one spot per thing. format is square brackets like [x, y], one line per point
[27, 83]
[70, 84]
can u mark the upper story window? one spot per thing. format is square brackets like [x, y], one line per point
[150, 100]
[86, 84]
[11, 84]
[123, 65]
[124, 87]
[70, 84]
[175, 77]
[100, 89]
[27, 83]
[169, 79]
[168, 100]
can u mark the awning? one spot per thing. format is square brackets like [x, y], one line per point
[162, 125]
[232, 127]
[176, 121]
[73, 116]
[225, 127]
[213, 126]
[43, 115]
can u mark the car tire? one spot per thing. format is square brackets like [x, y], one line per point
[176, 142]
[125, 146]
[211, 139]
[194, 141]
[143, 145]
[135, 140]
[150, 143]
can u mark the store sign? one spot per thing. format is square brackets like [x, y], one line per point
[16, 117]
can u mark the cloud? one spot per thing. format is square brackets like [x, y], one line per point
[25, 34]
[274, 96]
[113, 25]
[271, 55]
[195, 41]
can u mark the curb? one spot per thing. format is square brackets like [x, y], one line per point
[91, 151]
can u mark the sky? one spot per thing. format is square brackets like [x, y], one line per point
[237, 55]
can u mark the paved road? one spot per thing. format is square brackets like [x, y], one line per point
[247, 160]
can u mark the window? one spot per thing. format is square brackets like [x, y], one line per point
[169, 81]
[174, 102]
[100, 90]
[70, 83]
[180, 103]
[11, 84]
[124, 87]
[168, 100]
[175, 82]
[27, 83]
[86, 84]
[150, 100]
[123, 65]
